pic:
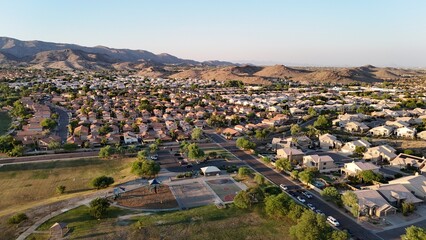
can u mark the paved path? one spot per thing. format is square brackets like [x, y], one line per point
[102, 193]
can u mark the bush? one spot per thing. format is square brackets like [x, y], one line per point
[17, 218]
[407, 208]
[259, 178]
[60, 189]
[102, 182]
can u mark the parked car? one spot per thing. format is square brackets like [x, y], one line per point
[310, 206]
[189, 166]
[333, 221]
[154, 157]
[301, 199]
[283, 187]
[318, 211]
[292, 193]
[308, 195]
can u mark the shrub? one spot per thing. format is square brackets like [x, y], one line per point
[60, 189]
[102, 182]
[17, 218]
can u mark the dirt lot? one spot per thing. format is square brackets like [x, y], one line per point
[419, 147]
[145, 197]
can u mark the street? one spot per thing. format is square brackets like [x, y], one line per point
[277, 178]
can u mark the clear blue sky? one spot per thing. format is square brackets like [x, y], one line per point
[296, 32]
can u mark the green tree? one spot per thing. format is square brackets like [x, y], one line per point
[294, 174]
[48, 123]
[6, 143]
[17, 151]
[259, 178]
[245, 143]
[147, 168]
[414, 233]
[69, 146]
[99, 207]
[407, 208]
[350, 199]
[368, 176]
[60, 189]
[339, 235]
[53, 145]
[153, 147]
[331, 194]
[312, 112]
[244, 171]
[102, 182]
[261, 134]
[284, 164]
[306, 176]
[142, 155]
[322, 123]
[311, 226]
[106, 152]
[360, 150]
[296, 211]
[295, 129]
[277, 205]
[195, 152]
[196, 133]
[242, 200]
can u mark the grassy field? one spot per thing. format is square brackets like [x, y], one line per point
[220, 151]
[5, 122]
[82, 225]
[24, 185]
[199, 223]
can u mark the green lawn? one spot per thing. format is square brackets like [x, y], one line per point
[5, 122]
[220, 151]
[82, 225]
[206, 222]
[26, 185]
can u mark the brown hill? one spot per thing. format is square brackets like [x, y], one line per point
[279, 71]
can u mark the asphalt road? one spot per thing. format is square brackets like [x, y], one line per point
[277, 178]
[63, 121]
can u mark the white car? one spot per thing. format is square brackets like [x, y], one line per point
[308, 195]
[301, 199]
[333, 221]
[310, 206]
[283, 187]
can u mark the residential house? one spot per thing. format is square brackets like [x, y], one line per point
[381, 131]
[353, 168]
[323, 163]
[396, 194]
[350, 147]
[230, 133]
[354, 126]
[328, 141]
[422, 135]
[292, 154]
[372, 203]
[406, 132]
[416, 184]
[130, 138]
[382, 152]
[405, 160]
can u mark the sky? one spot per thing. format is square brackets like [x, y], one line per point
[290, 32]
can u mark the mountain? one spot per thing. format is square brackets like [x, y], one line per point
[47, 55]
[40, 53]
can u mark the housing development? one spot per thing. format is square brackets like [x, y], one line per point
[120, 147]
